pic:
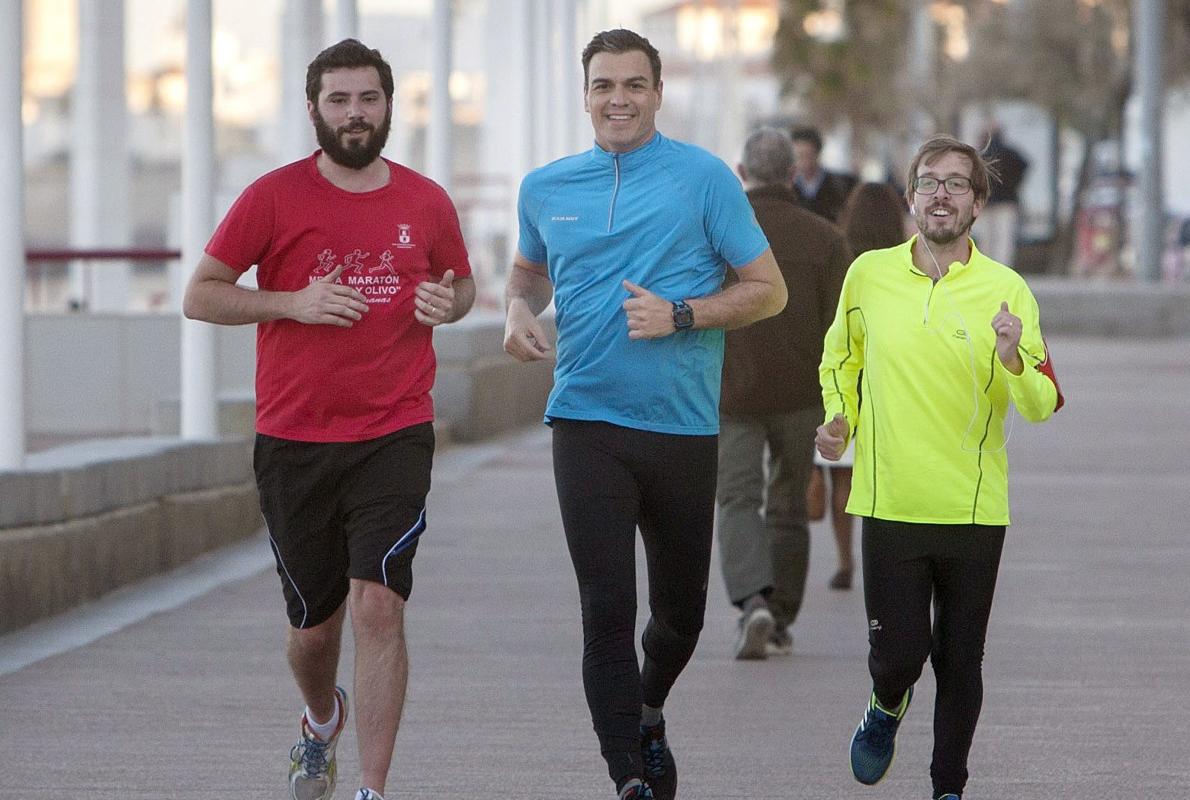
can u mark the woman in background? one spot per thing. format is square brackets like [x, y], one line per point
[873, 218]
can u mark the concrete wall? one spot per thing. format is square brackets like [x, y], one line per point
[84, 519]
[97, 374]
[1112, 309]
[107, 373]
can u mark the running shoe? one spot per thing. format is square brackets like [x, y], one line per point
[367, 794]
[756, 625]
[780, 643]
[950, 796]
[660, 770]
[639, 791]
[312, 768]
[875, 741]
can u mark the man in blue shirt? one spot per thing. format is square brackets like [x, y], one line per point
[632, 240]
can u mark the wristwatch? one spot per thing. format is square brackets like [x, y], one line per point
[683, 316]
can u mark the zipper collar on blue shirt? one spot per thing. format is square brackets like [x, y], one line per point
[627, 160]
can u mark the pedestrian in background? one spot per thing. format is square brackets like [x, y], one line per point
[873, 218]
[998, 227]
[820, 190]
[771, 405]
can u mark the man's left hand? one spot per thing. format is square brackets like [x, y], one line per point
[649, 316]
[1008, 338]
[433, 303]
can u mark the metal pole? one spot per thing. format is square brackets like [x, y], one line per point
[199, 415]
[1149, 24]
[12, 242]
[346, 20]
[440, 135]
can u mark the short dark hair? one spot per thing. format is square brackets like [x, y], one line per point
[621, 40]
[939, 145]
[768, 157]
[805, 133]
[347, 54]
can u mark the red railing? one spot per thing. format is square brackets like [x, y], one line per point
[51, 290]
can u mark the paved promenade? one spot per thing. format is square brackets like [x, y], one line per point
[1087, 670]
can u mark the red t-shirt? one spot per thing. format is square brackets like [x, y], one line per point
[323, 383]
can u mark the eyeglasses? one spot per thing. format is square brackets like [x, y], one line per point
[929, 185]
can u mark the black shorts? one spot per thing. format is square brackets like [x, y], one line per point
[341, 510]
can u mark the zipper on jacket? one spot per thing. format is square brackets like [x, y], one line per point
[611, 211]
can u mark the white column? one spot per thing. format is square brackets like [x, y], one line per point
[12, 242]
[544, 78]
[521, 107]
[99, 157]
[301, 40]
[570, 80]
[346, 20]
[1149, 26]
[920, 73]
[199, 414]
[440, 134]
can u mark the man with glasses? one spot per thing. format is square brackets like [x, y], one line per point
[945, 338]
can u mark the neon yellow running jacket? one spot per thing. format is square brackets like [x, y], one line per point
[930, 426]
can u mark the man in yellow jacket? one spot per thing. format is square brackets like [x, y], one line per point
[942, 338]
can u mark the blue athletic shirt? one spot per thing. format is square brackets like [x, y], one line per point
[666, 216]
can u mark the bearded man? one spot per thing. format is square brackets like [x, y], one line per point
[358, 259]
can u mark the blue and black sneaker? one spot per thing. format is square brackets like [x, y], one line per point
[660, 770]
[875, 741]
[948, 796]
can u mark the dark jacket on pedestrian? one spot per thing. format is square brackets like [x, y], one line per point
[1010, 168]
[832, 195]
[771, 366]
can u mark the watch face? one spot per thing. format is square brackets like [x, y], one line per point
[683, 316]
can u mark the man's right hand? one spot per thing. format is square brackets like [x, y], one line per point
[325, 302]
[832, 438]
[524, 338]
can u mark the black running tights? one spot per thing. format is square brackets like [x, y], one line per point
[610, 480]
[908, 567]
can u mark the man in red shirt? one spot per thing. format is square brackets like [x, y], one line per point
[358, 259]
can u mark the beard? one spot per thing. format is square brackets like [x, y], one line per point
[355, 154]
[957, 226]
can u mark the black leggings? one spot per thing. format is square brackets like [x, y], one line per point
[906, 567]
[610, 479]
